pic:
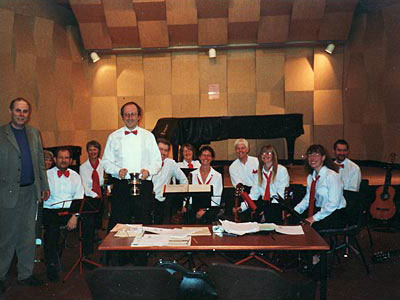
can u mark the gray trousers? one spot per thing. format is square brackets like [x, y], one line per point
[17, 234]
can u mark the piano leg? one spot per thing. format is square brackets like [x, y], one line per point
[290, 148]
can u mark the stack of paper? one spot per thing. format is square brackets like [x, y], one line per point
[251, 227]
[158, 240]
[240, 228]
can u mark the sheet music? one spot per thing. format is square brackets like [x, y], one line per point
[120, 226]
[292, 230]
[251, 227]
[240, 228]
[159, 240]
[187, 188]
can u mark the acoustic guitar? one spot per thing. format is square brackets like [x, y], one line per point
[383, 208]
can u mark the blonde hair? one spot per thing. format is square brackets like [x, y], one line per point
[241, 141]
[267, 148]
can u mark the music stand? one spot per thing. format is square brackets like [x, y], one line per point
[189, 191]
[86, 207]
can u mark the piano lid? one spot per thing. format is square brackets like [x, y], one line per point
[198, 131]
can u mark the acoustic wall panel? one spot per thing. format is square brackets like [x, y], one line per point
[43, 36]
[6, 31]
[299, 70]
[242, 104]
[185, 73]
[185, 106]
[270, 66]
[328, 107]
[300, 102]
[157, 72]
[157, 107]
[328, 69]
[213, 107]
[130, 75]
[102, 76]
[213, 71]
[326, 135]
[104, 113]
[213, 31]
[241, 72]
[267, 103]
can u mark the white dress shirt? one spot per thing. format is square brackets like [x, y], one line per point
[85, 171]
[277, 186]
[350, 175]
[328, 194]
[132, 152]
[168, 170]
[63, 189]
[215, 179]
[244, 173]
[184, 164]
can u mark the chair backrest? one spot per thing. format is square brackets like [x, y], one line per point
[132, 283]
[353, 208]
[245, 282]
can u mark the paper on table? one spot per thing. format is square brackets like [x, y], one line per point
[267, 226]
[159, 240]
[199, 231]
[240, 228]
[119, 227]
[130, 232]
[157, 230]
[292, 230]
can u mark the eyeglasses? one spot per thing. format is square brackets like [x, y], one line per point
[266, 153]
[314, 154]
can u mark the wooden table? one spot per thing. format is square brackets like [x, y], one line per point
[310, 241]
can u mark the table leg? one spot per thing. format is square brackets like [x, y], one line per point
[323, 275]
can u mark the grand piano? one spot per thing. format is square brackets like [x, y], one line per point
[199, 131]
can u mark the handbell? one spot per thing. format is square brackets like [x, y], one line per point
[135, 184]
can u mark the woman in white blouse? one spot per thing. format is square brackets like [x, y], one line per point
[206, 175]
[273, 178]
[324, 199]
[189, 157]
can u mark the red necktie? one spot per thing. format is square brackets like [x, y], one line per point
[61, 173]
[199, 181]
[128, 132]
[311, 202]
[190, 165]
[267, 194]
[341, 165]
[162, 165]
[95, 178]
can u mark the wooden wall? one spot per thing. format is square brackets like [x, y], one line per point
[372, 83]
[251, 82]
[353, 93]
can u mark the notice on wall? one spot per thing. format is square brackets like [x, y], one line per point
[213, 91]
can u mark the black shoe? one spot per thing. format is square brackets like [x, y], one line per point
[30, 281]
[52, 273]
[2, 287]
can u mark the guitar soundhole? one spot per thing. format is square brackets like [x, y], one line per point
[384, 196]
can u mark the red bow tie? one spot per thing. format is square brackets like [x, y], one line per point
[128, 132]
[61, 173]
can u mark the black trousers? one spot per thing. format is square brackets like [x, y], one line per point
[337, 219]
[126, 209]
[162, 211]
